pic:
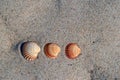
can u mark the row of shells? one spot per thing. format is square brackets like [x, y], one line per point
[31, 49]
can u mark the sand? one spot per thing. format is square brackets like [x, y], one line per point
[93, 24]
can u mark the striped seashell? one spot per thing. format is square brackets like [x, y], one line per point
[30, 50]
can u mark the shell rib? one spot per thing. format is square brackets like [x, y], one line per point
[52, 50]
[72, 51]
[30, 50]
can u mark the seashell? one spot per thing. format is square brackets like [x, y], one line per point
[30, 50]
[52, 50]
[72, 51]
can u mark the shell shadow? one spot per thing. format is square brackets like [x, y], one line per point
[19, 46]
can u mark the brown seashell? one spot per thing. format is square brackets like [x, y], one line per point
[52, 50]
[72, 51]
[30, 50]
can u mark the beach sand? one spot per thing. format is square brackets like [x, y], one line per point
[93, 24]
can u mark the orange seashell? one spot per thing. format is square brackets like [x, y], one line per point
[52, 50]
[30, 50]
[72, 51]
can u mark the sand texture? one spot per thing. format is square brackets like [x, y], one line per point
[93, 24]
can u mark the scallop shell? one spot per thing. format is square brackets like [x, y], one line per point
[30, 50]
[52, 50]
[72, 51]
